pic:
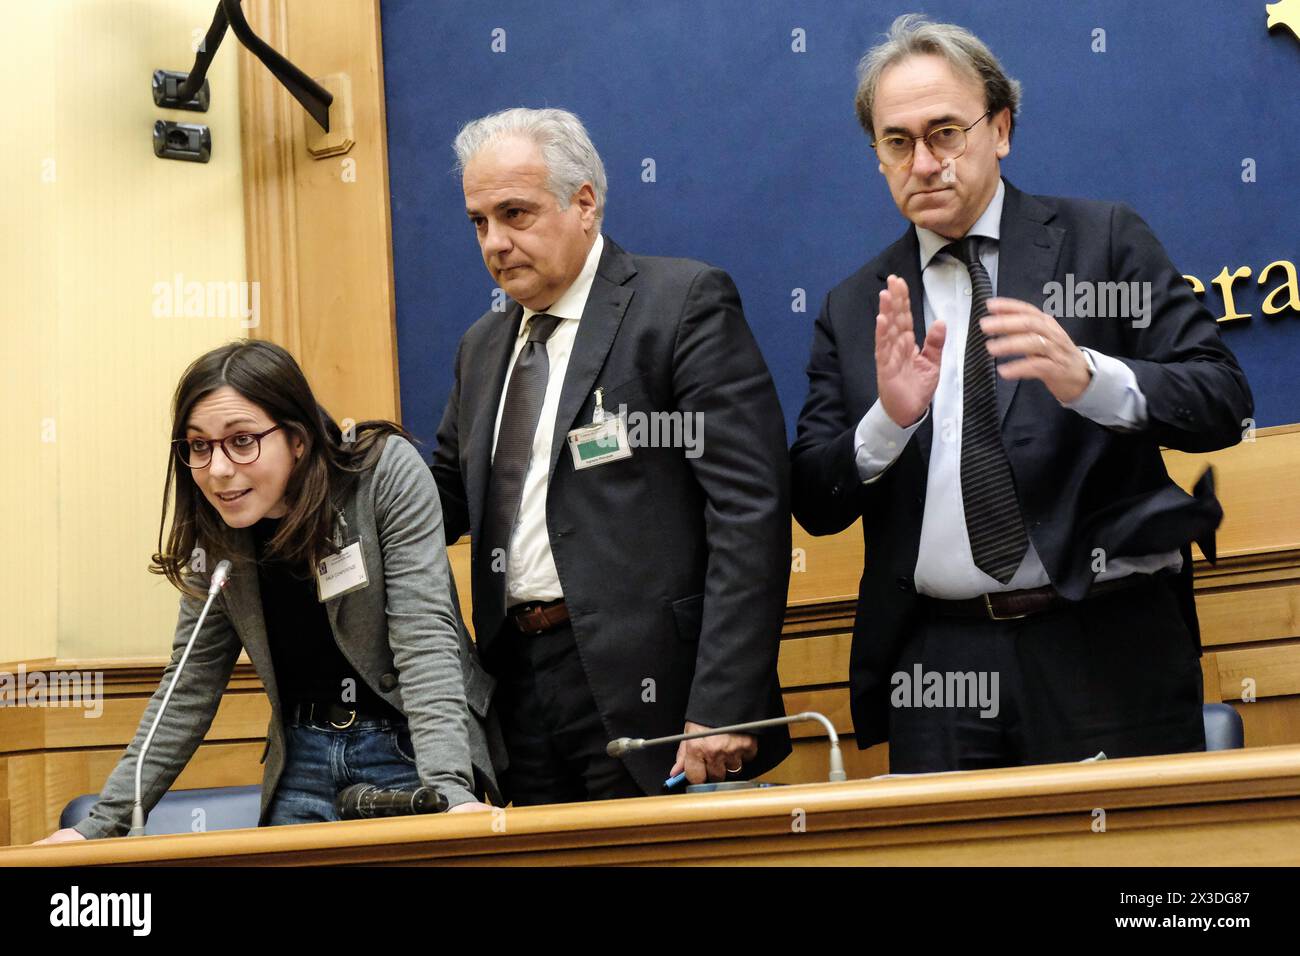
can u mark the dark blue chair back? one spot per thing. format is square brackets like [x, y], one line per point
[187, 811]
[1223, 729]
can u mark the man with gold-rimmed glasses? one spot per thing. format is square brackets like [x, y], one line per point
[896, 147]
[1027, 593]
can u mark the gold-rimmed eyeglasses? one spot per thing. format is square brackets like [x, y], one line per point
[944, 142]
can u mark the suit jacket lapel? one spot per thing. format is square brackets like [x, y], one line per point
[243, 599]
[606, 304]
[903, 259]
[494, 360]
[349, 508]
[1027, 254]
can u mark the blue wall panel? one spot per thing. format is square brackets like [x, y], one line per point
[761, 168]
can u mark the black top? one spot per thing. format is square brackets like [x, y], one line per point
[309, 667]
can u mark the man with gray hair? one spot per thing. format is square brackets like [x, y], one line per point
[1003, 452]
[621, 587]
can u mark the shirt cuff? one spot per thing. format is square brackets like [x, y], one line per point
[878, 442]
[93, 831]
[1112, 398]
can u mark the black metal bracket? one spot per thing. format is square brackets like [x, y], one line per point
[313, 97]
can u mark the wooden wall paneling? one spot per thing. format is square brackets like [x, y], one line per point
[1272, 609]
[809, 761]
[318, 230]
[1210, 677]
[831, 566]
[1270, 721]
[50, 781]
[26, 794]
[5, 804]
[1256, 483]
[51, 754]
[270, 184]
[1274, 670]
[806, 661]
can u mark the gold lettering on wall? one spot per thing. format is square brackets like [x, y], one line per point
[1290, 286]
[1224, 281]
[1283, 298]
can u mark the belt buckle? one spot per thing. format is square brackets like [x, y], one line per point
[352, 719]
[535, 615]
[994, 616]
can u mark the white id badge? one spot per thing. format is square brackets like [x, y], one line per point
[599, 443]
[341, 573]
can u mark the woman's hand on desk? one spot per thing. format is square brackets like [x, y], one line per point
[471, 807]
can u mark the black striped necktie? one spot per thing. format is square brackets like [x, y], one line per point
[514, 448]
[998, 541]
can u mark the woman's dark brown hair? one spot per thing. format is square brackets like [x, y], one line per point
[266, 375]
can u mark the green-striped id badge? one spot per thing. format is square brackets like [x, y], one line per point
[599, 442]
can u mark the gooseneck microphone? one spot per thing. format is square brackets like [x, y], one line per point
[616, 748]
[219, 578]
[365, 801]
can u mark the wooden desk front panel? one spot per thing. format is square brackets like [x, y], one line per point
[1235, 808]
[1249, 606]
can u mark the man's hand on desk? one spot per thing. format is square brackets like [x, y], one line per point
[709, 758]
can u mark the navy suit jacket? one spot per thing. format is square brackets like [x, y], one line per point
[1080, 485]
[675, 570]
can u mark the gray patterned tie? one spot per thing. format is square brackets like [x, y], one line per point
[998, 541]
[514, 448]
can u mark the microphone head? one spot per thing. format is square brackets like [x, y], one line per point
[616, 748]
[349, 798]
[219, 577]
[365, 801]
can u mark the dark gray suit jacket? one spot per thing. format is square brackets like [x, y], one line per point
[674, 569]
[403, 633]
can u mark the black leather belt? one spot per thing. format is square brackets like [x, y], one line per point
[539, 617]
[336, 715]
[1015, 605]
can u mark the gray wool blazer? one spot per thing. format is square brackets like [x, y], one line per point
[403, 633]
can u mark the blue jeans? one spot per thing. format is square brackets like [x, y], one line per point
[321, 760]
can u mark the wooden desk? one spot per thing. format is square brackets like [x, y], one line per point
[1238, 807]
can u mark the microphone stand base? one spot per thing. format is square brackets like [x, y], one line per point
[729, 785]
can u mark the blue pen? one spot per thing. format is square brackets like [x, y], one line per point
[674, 781]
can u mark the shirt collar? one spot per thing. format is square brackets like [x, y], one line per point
[989, 224]
[574, 299]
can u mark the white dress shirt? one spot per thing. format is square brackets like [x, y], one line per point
[530, 566]
[944, 567]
